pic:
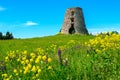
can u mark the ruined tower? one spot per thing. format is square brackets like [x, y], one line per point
[74, 22]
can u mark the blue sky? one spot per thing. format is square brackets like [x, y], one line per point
[37, 18]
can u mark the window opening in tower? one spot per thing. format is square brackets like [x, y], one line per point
[72, 19]
[72, 13]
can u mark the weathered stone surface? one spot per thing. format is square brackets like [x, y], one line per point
[74, 22]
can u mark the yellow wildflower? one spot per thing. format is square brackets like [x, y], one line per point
[33, 77]
[15, 71]
[26, 70]
[25, 52]
[49, 67]
[32, 55]
[39, 70]
[44, 57]
[37, 75]
[20, 71]
[33, 69]
[39, 57]
[37, 60]
[37, 67]
[49, 59]
[29, 66]
[27, 61]
[41, 51]
[10, 76]
[31, 60]
[24, 58]
[7, 79]
[4, 75]
[18, 59]
[6, 58]
[22, 62]
[98, 51]
[16, 74]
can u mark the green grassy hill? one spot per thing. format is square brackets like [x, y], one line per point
[34, 43]
[63, 57]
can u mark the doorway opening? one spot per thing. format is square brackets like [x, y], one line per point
[72, 29]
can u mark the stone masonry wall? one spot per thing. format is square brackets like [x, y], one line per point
[74, 22]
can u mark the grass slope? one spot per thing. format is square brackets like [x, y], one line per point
[63, 57]
[33, 43]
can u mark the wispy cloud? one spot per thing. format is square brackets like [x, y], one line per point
[31, 23]
[2, 8]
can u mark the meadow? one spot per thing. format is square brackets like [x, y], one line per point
[63, 57]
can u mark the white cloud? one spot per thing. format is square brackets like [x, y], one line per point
[31, 23]
[2, 8]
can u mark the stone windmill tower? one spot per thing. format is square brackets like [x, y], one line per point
[74, 22]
